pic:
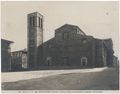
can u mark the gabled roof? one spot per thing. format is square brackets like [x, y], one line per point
[69, 26]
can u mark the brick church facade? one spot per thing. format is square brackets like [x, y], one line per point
[70, 47]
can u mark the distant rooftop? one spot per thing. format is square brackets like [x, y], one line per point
[8, 41]
[23, 50]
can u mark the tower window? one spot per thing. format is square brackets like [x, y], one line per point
[33, 21]
[39, 22]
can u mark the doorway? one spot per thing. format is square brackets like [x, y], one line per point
[49, 61]
[84, 61]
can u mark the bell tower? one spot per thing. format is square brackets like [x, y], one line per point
[35, 37]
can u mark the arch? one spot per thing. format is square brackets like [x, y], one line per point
[49, 60]
[83, 61]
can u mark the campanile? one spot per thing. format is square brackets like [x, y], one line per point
[34, 36]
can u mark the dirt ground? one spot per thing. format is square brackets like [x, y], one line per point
[25, 75]
[100, 80]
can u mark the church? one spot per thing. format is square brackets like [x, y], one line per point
[70, 47]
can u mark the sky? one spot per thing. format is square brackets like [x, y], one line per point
[99, 19]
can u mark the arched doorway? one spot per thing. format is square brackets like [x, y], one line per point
[84, 61]
[49, 60]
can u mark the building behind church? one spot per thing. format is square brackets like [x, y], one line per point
[70, 47]
[19, 60]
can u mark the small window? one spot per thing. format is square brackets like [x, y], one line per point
[65, 36]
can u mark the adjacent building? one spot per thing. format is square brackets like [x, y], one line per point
[19, 60]
[5, 55]
[70, 47]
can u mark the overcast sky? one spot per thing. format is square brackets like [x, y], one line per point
[99, 19]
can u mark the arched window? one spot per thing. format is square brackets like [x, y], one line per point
[39, 22]
[84, 61]
[32, 21]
